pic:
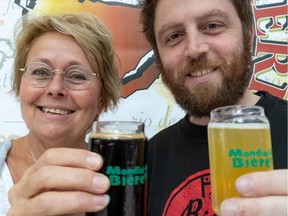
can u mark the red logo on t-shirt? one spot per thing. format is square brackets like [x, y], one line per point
[192, 197]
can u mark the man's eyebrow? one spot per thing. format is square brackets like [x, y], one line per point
[214, 13]
[167, 26]
[211, 13]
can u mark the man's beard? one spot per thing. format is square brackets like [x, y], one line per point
[206, 96]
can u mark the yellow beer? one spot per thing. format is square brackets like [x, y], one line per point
[236, 149]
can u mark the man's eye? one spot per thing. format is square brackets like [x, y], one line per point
[174, 37]
[213, 27]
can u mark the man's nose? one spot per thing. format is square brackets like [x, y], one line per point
[196, 44]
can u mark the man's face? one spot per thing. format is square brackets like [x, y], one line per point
[204, 57]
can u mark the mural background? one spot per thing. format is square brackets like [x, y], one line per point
[144, 96]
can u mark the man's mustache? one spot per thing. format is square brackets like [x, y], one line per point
[201, 64]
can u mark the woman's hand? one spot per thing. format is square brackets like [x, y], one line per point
[263, 193]
[62, 181]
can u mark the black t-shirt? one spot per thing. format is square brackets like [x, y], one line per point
[178, 163]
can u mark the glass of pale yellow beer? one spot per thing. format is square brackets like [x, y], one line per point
[239, 143]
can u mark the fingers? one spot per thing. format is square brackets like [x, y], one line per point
[72, 158]
[55, 178]
[63, 169]
[62, 181]
[58, 203]
[264, 206]
[263, 193]
[263, 183]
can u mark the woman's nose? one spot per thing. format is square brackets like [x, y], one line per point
[57, 86]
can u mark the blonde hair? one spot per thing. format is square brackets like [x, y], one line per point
[93, 37]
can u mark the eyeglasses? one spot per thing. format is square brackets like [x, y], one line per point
[76, 77]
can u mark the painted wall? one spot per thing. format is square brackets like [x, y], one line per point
[144, 97]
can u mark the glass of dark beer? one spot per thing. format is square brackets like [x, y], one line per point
[122, 144]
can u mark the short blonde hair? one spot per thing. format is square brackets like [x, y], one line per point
[93, 37]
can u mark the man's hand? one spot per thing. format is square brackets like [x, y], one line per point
[263, 194]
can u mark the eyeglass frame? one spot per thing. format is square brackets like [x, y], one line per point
[53, 74]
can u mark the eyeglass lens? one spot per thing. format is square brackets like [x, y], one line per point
[78, 77]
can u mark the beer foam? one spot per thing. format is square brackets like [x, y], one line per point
[111, 136]
[252, 126]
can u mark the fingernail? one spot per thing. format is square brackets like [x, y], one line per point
[107, 199]
[228, 208]
[99, 182]
[93, 161]
[244, 185]
[103, 200]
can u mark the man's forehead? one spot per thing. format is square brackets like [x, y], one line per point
[170, 13]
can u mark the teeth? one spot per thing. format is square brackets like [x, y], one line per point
[201, 73]
[56, 111]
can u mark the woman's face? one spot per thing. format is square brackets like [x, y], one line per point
[55, 111]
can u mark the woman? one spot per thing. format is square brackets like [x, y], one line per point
[64, 76]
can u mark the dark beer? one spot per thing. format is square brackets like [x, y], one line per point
[125, 165]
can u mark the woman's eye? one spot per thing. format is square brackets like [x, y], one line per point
[212, 26]
[76, 76]
[79, 77]
[41, 72]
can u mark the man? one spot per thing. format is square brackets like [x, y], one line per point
[203, 49]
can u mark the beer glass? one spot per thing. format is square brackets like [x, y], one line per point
[239, 143]
[122, 144]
